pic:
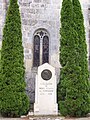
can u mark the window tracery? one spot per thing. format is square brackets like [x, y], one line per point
[41, 48]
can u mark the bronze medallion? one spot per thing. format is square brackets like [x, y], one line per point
[46, 74]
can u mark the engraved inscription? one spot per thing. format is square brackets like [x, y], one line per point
[46, 89]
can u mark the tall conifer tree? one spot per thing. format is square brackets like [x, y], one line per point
[73, 89]
[13, 99]
[66, 19]
[82, 58]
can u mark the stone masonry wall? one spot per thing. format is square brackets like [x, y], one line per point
[2, 18]
[85, 5]
[39, 14]
[35, 15]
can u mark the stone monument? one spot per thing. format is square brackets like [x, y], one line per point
[45, 91]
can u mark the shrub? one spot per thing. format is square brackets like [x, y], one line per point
[73, 89]
[13, 99]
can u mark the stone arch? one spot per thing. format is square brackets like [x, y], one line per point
[40, 47]
[41, 29]
[52, 36]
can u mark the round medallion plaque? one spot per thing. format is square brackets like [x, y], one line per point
[46, 74]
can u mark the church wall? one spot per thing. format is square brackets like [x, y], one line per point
[2, 18]
[36, 15]
[85, 5]
[39, 14]
[45, 15]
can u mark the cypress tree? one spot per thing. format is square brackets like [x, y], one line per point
[13, 99]
[82, 58]
[66, 16]
[73, 89]
[79, 28]
[66, 19]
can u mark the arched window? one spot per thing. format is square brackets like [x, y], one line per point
[41, 48]
[36, 54]
[45, 57]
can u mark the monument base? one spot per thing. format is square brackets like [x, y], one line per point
[42, 110]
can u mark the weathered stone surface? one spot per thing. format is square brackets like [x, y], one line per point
[30, 81]
[37, 1]
[29, 22]
[41, 14]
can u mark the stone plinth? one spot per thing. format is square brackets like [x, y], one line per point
[45, 91]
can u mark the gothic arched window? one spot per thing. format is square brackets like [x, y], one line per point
[45, 57]
[36, 54]
[41, 48]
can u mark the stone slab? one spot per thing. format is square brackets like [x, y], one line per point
[45, 91]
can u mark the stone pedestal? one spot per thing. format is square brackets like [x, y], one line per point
[45, 91]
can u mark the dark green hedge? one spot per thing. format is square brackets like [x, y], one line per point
[74, 88]
[13, 99]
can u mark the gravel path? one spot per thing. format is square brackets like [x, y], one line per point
[45, 118]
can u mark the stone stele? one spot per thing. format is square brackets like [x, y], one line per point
[45, 91]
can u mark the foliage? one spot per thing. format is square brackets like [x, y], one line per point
[13, 99]
[0, 59]
[73, 89]
[66, 21]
